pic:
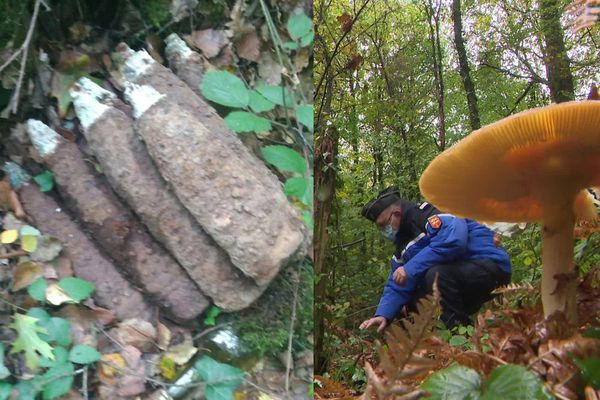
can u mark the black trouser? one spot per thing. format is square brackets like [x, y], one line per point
[464, 286]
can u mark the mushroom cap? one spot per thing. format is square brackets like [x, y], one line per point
[512, 169]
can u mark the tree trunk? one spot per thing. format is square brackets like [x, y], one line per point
[325, 154]
[464, 70]
[433, 18]
[557, 63]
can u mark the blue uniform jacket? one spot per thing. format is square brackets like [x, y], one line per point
[445, 239]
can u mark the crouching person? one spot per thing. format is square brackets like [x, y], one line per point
[465, 255]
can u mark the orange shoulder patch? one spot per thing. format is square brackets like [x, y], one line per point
[435, 221]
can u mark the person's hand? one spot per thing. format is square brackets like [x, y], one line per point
[379, 320]
[400, 276]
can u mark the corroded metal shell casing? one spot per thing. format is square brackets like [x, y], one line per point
[133, 175]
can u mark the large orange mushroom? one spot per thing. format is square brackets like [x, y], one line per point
[533, 166]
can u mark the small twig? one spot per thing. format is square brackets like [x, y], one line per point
[209, 330]
[262, 389]
[288, 364]
[12, 304]
[84, 385]
[24, 49]
[13, 254]
[115, 341]
[345, 245]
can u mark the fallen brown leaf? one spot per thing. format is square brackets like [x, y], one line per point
[137, 333]
[209, 41]
[163, 336]
[248, 46]
[25, 273]
[56, 295]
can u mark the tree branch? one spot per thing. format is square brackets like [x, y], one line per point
[24, 50]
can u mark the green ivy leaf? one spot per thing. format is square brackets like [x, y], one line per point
[211, 315]
[277, 94]
[59, 331]
[291, 46]
[37, 289]
[61, 356]
[307, 39]
[590, 370]
[242, 121]
[299, 25]
[258, 103]
[305, 115]
[26, 389]
[458, 340]
[224, 88]
[300, 187]
[39, 313]
[221, 379]
[284, 158]
[45, 180]
[84, 354]
[5, 390]
[60, 381]
[4, 372]
[218, 392]
[454, 382]
[77, 289]
[514, 382]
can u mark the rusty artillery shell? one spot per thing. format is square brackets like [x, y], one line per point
[112, 290]
[235, 198]
[187, 64]
[114, 228]
[133, 175]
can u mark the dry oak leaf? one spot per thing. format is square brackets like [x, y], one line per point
[248, 46]
[209, 41]
[25, 273]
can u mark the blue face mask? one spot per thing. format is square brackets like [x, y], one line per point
[388, 232]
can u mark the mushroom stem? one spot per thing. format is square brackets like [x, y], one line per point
[559, 275]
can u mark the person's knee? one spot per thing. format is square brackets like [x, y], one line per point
[433, 273]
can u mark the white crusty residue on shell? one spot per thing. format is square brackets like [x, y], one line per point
[44, 139]
[175, 45]
[141, 97]
[88, 108]
[88, 86]
[137, 64]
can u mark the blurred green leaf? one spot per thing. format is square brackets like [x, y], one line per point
[77, 289]
[284, 158]
[454, 382]
[242, 121]
[224, 88]
[277, 94]
[305, 114]
[37, 289]
[514, 382]
[45, 181]
[83, 354]
[60, 381]
[211, 315]
[299, 25]
[258, 103]
[590, 370]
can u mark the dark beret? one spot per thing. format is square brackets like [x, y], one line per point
[384, 199]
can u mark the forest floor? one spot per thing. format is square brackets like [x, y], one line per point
[78, 349]
[511, 331]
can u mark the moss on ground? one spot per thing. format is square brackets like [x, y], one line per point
[264, 327]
